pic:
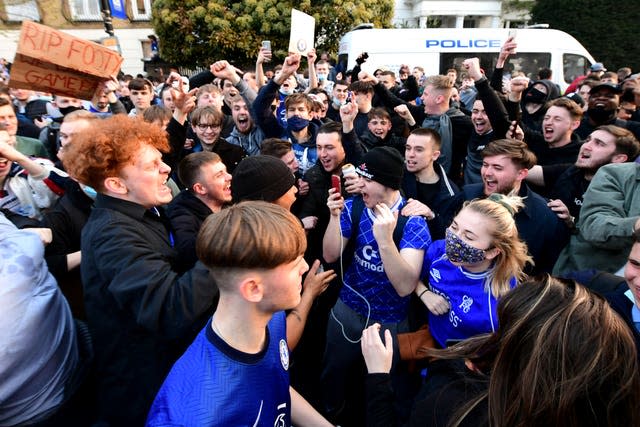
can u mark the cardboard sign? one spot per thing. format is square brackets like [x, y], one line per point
[303, 27]
[49, 60]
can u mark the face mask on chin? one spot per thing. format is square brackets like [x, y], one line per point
[286, 91]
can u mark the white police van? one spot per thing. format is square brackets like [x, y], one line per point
[438, 49]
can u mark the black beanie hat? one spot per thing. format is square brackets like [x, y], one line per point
[261, 178]
[383, 165]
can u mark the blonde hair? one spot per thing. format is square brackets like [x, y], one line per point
[513, 253]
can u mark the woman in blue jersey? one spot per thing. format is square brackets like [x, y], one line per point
[479, 261]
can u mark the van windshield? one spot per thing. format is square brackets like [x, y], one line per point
[528, 63]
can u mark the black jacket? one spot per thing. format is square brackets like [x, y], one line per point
[66, 220]
[461, 127]
[141, 313]
[540, 228]
[186, 213]
[438, 205]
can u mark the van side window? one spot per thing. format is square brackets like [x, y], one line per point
[527, 62]
[574, 66]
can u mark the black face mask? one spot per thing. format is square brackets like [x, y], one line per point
[601, 114]
[69, 109]
[535, 96]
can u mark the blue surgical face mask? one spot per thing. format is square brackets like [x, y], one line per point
[89, 191]
[322, 76]
[297, 123]
[337, 102]
[286, 92]
[459, 251]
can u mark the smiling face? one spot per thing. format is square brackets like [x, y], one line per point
[208, 132]
[603, 98]
[500, 175]
[330, 151]
[145, 179]
[480, 119]
[340, 92]
[379, 126]
[214, 185]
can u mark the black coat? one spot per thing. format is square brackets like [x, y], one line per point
[186, 213]
[142, 314]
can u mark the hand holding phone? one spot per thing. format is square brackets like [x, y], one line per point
[335, 183]
[266, 47]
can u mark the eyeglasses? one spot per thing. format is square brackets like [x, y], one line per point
[204, 127]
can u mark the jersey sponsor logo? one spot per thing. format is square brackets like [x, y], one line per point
[365, 261]
[284, 354]
[454, 319]
[368, 252]
[435, 274]
[577, 201]
[467, 301]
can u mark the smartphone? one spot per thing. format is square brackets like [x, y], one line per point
[348, 101]
[266, 44]
[335, 183]
[513, 133]
[513, 33]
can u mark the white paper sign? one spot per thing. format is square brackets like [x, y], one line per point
[303, 27]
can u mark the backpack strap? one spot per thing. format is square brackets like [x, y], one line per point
[356, 213]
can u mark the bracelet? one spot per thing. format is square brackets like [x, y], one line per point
[422, 293]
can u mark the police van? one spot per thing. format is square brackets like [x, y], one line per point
[438, 49]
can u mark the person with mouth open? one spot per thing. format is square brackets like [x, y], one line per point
[141, 311]
[377, 282]
[506, 163]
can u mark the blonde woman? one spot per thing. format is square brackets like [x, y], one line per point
[479, 261]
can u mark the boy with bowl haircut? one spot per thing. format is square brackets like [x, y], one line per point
[236, 370]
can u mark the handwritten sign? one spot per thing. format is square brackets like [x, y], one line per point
[302, 32]
[52, 61]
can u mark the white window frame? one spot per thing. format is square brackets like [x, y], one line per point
[84, 13]
[18, 11]
[137, 16]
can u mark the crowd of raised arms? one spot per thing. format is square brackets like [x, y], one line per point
[312, 246]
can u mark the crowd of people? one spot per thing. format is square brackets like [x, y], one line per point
[322, 247]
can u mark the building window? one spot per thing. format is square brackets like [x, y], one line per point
[141, 10]
[18, 11]
[85, 10]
